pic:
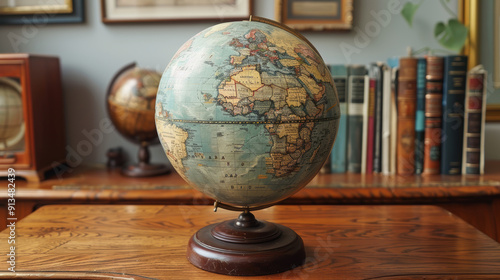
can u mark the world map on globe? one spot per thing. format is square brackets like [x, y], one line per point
[247, 113]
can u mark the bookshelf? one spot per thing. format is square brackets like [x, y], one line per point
[474, 198]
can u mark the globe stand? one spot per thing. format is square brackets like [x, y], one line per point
[144, 168]
[246, 246]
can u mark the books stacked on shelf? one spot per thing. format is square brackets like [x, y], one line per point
[409, 118]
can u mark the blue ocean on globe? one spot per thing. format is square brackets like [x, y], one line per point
[247, 112]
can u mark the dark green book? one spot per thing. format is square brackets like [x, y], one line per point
[455, 72]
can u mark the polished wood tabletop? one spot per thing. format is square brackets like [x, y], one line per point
[96, 184]
[476, 199]
[342, 242]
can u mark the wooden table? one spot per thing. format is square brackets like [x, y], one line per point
[476, 199]
[342, 242]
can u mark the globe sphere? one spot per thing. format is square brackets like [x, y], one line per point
[11, 113]
[247, 112]
[131, 104]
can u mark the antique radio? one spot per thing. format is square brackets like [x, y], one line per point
[32, 136]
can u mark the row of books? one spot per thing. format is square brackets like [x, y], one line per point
[421, 116]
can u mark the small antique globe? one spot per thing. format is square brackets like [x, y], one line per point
[11, 114]
[131, 103]
[131, 106]
[247, 113]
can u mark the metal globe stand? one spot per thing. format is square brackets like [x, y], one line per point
[245, 246]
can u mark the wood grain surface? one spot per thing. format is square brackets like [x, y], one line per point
[342, 242]
[475, 199]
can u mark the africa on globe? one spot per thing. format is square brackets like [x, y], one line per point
[247, 112]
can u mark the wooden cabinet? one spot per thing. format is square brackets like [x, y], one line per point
[475, 199]
[32, 137]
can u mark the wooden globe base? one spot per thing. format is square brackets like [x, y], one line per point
[246, 247]
[144, 168]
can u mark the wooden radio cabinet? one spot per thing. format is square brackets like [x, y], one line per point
[32, 137]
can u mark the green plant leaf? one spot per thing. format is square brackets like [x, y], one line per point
[451, 35]
[408, 12]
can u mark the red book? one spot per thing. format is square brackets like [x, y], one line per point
[371, 127]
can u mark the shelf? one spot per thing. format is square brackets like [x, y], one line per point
[475, 199]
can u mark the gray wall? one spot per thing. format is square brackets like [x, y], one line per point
[92, 52]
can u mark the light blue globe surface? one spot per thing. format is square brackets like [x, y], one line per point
[247, 113]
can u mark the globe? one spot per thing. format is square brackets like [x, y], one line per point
[131, 106]
[247, 112]
[11, 114]
[131, 103]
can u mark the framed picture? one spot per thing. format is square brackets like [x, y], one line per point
[470, 15]
[119, 11]
[315, 14]
[41, 12]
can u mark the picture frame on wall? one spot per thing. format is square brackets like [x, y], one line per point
[316, 15]
[41, 12]
[469, 13]
[123, 11]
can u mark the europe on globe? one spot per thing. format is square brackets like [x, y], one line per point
[247, 112]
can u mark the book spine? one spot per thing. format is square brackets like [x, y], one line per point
[433, 115]
[473, 154]
[407, 99]
[394, 120]
[420, 116]
[364, 137]
[371, 126]
[455, 70]
[356, 88]
[377, 138]
[338, 157]
[386, 119]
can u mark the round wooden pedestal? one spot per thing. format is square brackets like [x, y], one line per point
[245, 246]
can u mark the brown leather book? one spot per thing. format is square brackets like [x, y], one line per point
[407, 101]
[433, 114]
